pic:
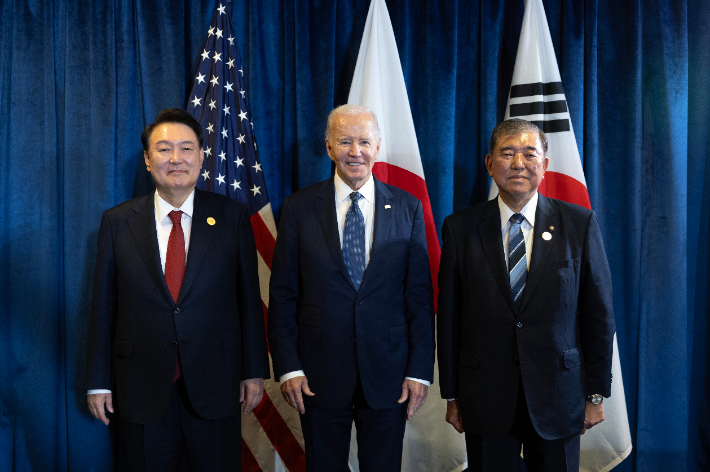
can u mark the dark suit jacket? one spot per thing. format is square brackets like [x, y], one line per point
[135, 327]
[314, 310]
[560, 340]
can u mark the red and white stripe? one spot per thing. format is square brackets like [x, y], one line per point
[271, 438]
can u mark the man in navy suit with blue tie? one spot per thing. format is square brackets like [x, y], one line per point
[525, 322]
[350, 305]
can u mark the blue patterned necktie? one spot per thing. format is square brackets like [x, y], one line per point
[354, 241]
[517, 263]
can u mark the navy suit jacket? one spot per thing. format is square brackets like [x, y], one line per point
[559, 340]
[135, 326]
[315, 312]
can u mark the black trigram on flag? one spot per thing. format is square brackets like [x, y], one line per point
[542, 107]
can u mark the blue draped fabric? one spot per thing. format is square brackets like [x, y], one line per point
[79, 81]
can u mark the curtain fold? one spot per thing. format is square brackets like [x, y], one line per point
[80, 80]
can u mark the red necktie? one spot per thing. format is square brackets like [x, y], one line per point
[175, 265]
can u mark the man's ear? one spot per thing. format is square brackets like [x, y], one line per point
[329, 149]
[489, 164]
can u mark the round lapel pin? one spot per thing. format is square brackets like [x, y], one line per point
[211, 221]
[546, 236]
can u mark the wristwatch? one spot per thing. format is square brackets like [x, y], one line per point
[595, 399]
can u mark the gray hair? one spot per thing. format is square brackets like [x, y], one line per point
[348, 109]
[516, 126]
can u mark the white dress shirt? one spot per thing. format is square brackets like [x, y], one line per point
[527, 225]
[342, 205]
[163, 226]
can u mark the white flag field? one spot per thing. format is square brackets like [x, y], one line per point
[536, 95]
[430, 444]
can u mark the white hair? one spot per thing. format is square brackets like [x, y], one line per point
[348, 109]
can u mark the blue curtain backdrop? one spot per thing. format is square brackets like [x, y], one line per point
[79, 81]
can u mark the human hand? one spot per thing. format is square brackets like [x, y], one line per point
[416, 392]
[453, 415]
[593, 415]
[98, 404]
[250, 392]
[292, 391]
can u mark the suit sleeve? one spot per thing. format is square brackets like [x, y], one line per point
[103, 309]
[419, 301]
[596, 312]
[254, 355]
[448, 317]
[283, 296]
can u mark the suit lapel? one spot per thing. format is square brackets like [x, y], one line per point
[544, 218]
[325, 207]
[201, 235]
[490, 232]
[142, 225]
[382, 220]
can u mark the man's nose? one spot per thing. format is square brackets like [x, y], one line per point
[175, 156]
[355, 149]
[518, 160]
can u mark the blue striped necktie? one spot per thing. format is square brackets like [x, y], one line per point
[517, 263]
[354, 241]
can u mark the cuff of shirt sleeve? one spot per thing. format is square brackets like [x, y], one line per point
[425, 382]
[451, 399]
[290, 375]
[97, 390]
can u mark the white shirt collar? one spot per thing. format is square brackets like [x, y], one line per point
[528, 211]
[343, 191]
[162, 208]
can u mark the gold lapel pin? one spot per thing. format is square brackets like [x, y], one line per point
[211, 221]
[388, 206]
[546, 236]
[552, 229]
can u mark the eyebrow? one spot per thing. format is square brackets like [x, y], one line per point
[165, 141]
[510, 148]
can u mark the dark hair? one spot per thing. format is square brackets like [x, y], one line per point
[172, 115]
[516, 126]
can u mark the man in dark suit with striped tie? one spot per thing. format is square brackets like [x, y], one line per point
[525, 322]
[176, 334]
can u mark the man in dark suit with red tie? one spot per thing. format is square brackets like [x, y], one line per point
[525, 322]
[176, 334]
[351, 311]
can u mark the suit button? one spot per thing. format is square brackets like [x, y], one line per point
[360, 302]
[177, 311]
[174, 344]
[520, 324]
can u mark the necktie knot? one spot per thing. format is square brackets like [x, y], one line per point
[355, 196]
[176, 217]
[517, 218]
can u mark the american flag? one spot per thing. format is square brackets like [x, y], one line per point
[271, 437]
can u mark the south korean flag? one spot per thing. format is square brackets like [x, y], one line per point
[536, 95]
